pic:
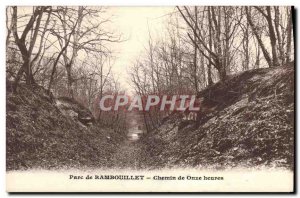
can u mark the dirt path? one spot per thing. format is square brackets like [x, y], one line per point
[128, 155]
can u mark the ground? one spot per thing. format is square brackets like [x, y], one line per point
[39, 135]
[252, 124]
[128, 155]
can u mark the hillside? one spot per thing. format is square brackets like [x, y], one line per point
[48, 133]
[251, 124]
[246, 121]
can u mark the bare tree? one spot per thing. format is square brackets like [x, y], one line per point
[224, 25]
[26, 50]
[89, 35]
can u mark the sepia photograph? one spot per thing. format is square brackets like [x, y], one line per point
[150, 99]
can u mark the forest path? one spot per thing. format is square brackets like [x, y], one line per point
[128, 155]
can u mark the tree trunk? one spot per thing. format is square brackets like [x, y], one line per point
[70, 81]
[261, 44]
[273, 38]
[280, 44]
[209, 78]
[246, 47]
[195, 53]
[222, 73]
[289, 36]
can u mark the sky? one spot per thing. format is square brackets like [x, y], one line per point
[133, 23]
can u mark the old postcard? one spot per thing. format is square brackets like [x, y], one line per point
[150, 99]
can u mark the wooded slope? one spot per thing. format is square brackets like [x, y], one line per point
[252, 125]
